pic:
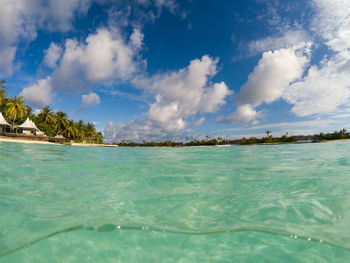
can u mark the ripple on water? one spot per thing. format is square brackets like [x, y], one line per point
[190, 204]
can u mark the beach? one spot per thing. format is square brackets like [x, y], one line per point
[19, 140]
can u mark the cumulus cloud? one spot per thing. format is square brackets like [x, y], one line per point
[89, 100]
[214, 97]
[39, 94]
[271, 77]
[184, 93]
[137, 130]
[179, 95]
[322, 91]
[274, 72]
[244, 113]
[326, 87]
[104, 55]
[52, 55]
[21, 19]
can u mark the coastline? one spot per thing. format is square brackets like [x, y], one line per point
[26, 141]
[18, 140]
[91, 145]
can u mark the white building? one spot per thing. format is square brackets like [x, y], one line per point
[29, 128]
[3, 123]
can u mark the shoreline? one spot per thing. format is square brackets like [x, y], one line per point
[6, 139]
[91, 145]
[28, 141]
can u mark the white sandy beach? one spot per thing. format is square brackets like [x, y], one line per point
[6, 139]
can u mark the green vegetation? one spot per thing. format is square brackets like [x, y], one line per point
[269, 139]
[212, 142]
[129, 143]
[342, 134]
[16, 111]
[206, 142]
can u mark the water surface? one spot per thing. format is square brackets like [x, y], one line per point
[277, 203]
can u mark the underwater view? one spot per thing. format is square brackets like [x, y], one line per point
[262, 203]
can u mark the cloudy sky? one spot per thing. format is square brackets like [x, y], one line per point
[169, 69]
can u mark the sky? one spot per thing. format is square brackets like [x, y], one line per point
[180, 70]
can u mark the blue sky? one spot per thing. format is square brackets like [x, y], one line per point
[167, 69]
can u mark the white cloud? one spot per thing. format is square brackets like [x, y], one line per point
[322, 91]
[90, 100]
[198, 122]
[270, 78]
[288, 39]
[243, 113]
[52, 55]
[179, 95]
[214, 97]
[136, 38]
[184, 93]
[326, 87]
[274, 72]
[166, 116]
[332, 22]
[37, 112]
[137, 130]
[170, 4]
[38, 94]
[21, 19]
[104, 55]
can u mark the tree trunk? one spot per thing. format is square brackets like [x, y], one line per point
[14, 124]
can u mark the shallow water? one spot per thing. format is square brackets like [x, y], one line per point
[270, 203]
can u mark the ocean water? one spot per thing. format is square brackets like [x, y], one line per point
[267, 203]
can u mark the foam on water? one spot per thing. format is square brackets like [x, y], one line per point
[184, 204]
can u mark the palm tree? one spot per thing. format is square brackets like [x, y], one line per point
[268, 133]
[71, 130]
[61, 122]
[90, 129]
[46, 115]
[3, 92]
[16, 109]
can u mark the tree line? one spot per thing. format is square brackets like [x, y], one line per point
[269, 139]
[51, 123]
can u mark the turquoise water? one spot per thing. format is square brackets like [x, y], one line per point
[278, 203]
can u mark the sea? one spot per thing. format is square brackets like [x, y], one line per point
[260, 203]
